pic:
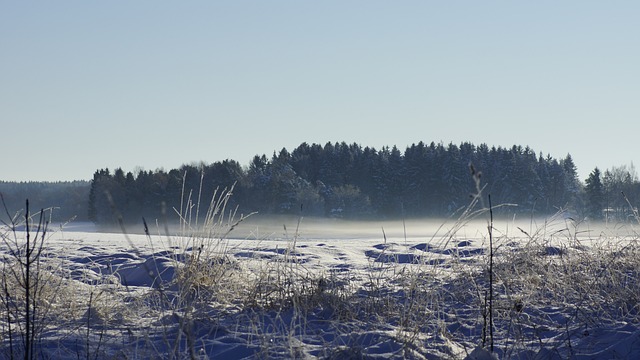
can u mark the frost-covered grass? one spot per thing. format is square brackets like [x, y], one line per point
[560, 291]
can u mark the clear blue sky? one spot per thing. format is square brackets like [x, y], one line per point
[92, 84]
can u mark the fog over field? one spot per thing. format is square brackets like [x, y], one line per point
[285, 227]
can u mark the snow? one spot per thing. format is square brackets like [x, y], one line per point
[325, 289]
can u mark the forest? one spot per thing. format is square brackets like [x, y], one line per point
[347, 181]
[354, 182]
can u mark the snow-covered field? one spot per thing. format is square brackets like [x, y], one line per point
[304, 288]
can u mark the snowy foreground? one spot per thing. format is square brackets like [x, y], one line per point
[324, 290]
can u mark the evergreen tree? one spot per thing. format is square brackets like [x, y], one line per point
[92, 209]
[572, 184]
[594, 191]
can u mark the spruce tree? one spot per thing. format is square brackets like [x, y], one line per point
[594, 195]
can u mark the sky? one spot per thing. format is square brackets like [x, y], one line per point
[86, 85]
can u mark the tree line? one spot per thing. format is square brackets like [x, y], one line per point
[350, 181]
[66, 199]
[347, 181]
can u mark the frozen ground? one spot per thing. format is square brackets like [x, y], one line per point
[308, 289]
